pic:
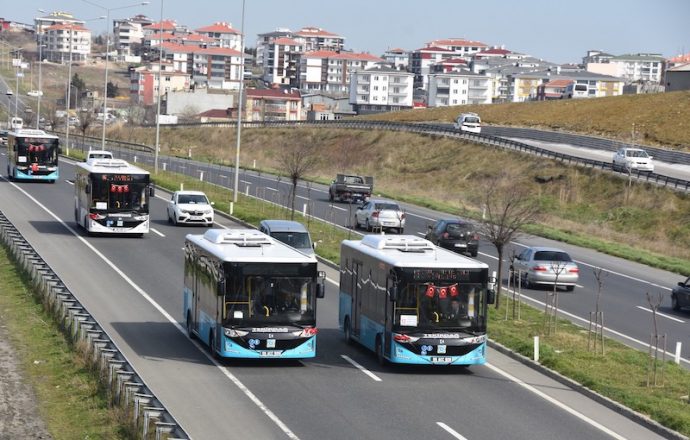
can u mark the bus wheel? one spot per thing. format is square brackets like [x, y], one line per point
[189, 326]
[379, 351]
[348, 331]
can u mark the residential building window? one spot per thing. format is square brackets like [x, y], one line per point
[376, 78]
[464, 81]
[455, 101]
[455, 81]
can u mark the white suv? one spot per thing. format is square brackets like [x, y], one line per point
[380, 214]
[628, 158]
[190, 207]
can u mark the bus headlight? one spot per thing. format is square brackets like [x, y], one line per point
[140, 218]
[232, 333]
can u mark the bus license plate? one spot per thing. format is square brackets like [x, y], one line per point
[441, 359]
[270, 353]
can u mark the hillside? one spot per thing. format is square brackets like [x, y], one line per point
[660, 119]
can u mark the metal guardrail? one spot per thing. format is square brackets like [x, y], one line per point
[125, 387]
[486, 139]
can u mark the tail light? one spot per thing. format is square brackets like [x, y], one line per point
[475, 237]
[574, 270]
[445, 235]
[96, 216]
[375, 214]
[402, 216]
[309, 331]
[539, 268]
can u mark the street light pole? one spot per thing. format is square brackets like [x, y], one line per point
[107, 55]
[158, 104]
[16, 93]
[69, 86]
[239, 112]
[40, 84]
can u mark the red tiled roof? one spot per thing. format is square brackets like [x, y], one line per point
[179, 48]
[197, 37]
[273, 93]
[433, 49]
[680, 59]
[66, 27]
[396, 50]
[287, 42]
[219, 51]
[314, 31]
[215, 113]
[558, 83]
[495, 52]
[165, 36]
[342, 55]
[167, 25]
[455, 61]
[218, 27]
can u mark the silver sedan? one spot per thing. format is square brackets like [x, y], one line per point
[546, 266]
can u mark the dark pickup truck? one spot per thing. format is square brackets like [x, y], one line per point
[351, 188]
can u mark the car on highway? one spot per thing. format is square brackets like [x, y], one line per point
[380, 215]
[289, 232]
[680, 295]
[546, 266]
[190, 207]
[627, 158]
[454, 234]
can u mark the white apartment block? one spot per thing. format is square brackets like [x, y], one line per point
[41, 23]
[223, 32]
[61, 39]
[458, 89]
[398, 58]
[213, 67]
[315, 38]
[381, 89]
[459, 46]
[328, 71]
[437, 51]
[128, 32]
[640, 67]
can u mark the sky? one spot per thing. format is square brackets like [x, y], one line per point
[560, 32]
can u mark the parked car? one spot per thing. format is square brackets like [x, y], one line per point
[540, 266]
[289, 232]
[627, 158]
[190, 207]
[456, 235]
[680, 295]
[380, 214]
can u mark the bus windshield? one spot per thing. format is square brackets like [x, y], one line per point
[271, 300]
[443, 306]
[41, 151]
[119, 196]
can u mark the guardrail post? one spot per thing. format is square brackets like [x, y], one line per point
[152, 414]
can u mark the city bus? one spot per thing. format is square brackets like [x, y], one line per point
[248, 295]
[32, 155]
[412, 302]
[112, 196]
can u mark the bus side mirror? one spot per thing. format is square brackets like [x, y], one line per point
[59, 150]
[152, 191]
[490, 297]
[491, 289]
[87, 190]
[320, 290]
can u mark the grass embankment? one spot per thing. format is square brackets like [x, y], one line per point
[660, 119]
[587, 207]
[621, 374]
[69, 396]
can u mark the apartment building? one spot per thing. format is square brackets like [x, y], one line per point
[459, 46]
[458, 88]
[381, 88]
[639, 67]
[143, 87]
[212, 67]
[55, 18]
[128, 33]
[329, 71]
[61, 39]
[273, 105]
[315, 38]
[223, 32]
[584, 85]
[421, 61]
[167, 26]
[398, 58]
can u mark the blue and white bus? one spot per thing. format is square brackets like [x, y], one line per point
[412, 302]
[247, 295]
[32, 155]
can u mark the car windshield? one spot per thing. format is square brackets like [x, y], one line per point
[386, 206]
[472, 120]
[192, 199]
[457, 229]
[353, 179]
[636, 153]
[298, 240]
[551, 256]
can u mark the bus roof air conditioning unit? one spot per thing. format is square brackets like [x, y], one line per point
[242, 238]
[404, 243]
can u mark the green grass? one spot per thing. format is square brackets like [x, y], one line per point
[69, 396]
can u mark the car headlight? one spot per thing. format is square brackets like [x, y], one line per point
[231, 333]
[184, 211]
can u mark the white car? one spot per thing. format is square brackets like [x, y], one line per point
[190, 207]
[627, 158]
[380, 214]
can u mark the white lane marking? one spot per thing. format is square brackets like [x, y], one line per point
[167, 316]
[335, 283]
[451, 431]
[337, 207]
[555, 402]
[247, 182]
[302, 197]
[271, 189]
[607, 329]
[662, 314]
[157, 232]
[421, 233]
[361, 368]
[71, 183]
[223, 176]
[420, 216]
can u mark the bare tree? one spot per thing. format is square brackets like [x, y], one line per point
[49, 114]
[654, 303]
[597, 320]
[508, 207]
[296, 161]
[551, 303]
[85, 121]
